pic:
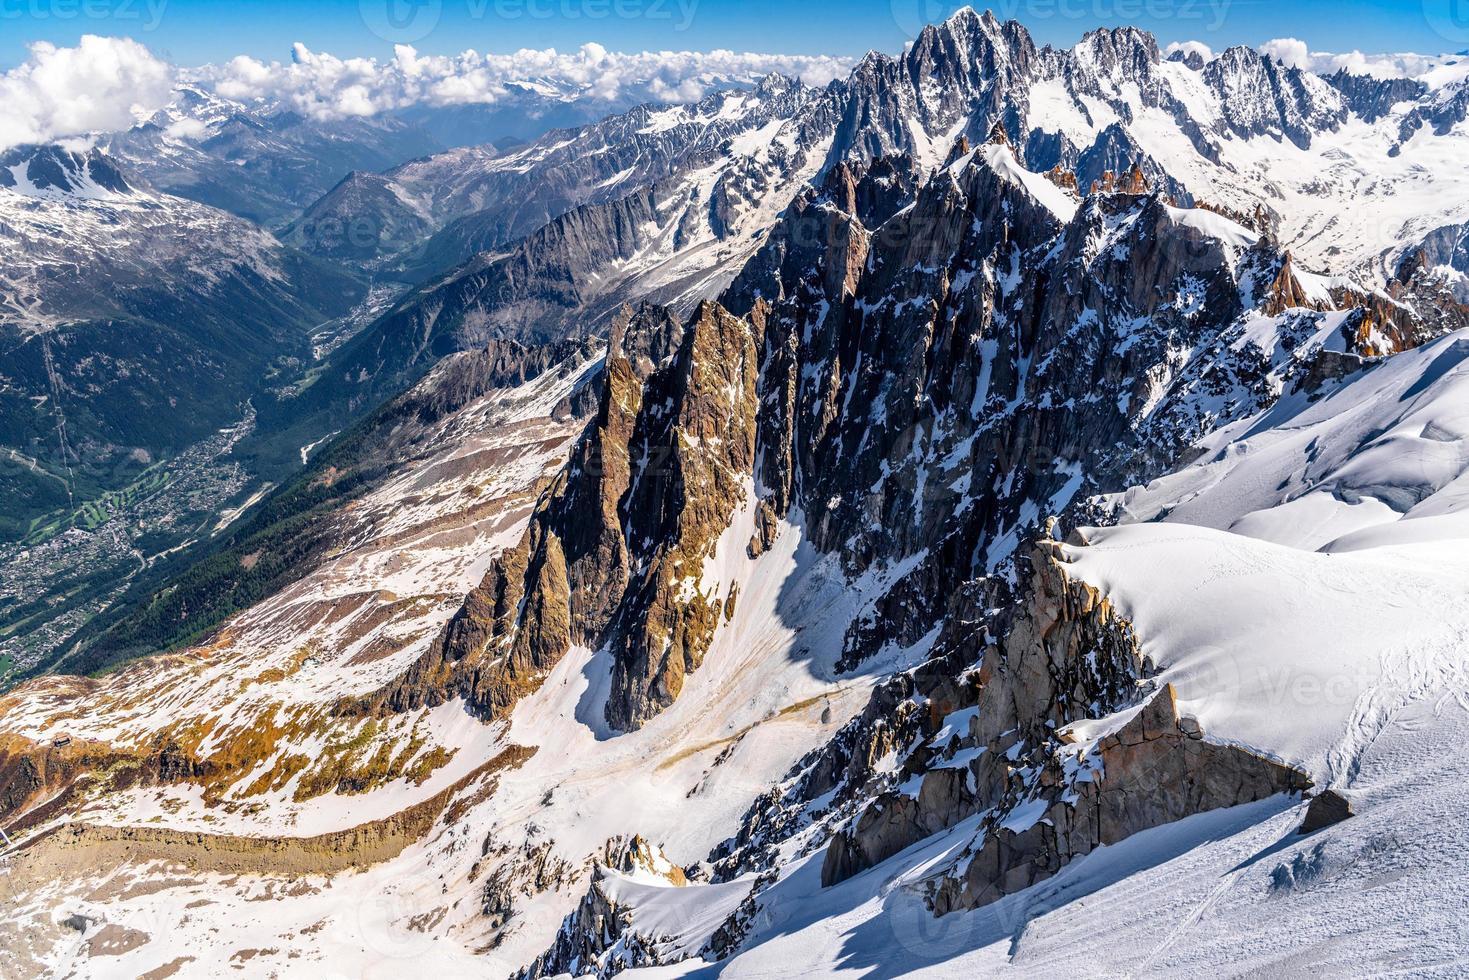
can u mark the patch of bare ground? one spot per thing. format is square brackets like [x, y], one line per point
[83, 849]
[242, 956]
[115, 940]
[168, 969]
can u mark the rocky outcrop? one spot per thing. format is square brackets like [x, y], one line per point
[39, 780]
[1156, 769]
[1042, 801]
[693, 453]
[1326, 808]
[1068, 652]
[614, 553]
[517, 873]
[85, 846]
[1285, 292]
[598, 939]
[568, 571]
[983, 732]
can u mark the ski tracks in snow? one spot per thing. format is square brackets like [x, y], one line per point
[1407, 675]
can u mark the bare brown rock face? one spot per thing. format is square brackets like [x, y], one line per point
[40, 780]
[1111, 182]
[1285, 291]
[1153, 772]
[614, 553]
[1327, 808]
[563, 582]
[674, 514]
[1063, 178]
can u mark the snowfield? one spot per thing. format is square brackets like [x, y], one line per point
[1234, 892]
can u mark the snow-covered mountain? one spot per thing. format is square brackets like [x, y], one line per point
[259, 161]
[999, 513]
[64, 209]
[476, 200]
[266, 161]
[265, 148]
[667, 203]
[1354, 168]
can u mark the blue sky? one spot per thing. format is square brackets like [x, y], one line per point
[198, 31]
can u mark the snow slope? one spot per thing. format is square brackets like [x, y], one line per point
[1233, 892]
[1388, 451]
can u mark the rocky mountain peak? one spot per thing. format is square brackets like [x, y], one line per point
[54, 170]
[775, 84]
[1262, 96]
[1371, 97]
[1132, 181]
[1192, 58]
[1125, 51]
[646, 336]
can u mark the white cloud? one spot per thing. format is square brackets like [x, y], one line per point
[101, 84]
[107, 84]
[327, 87]
[187, 129]
[1297, 54]
[1290, 51]
[1379, 65]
